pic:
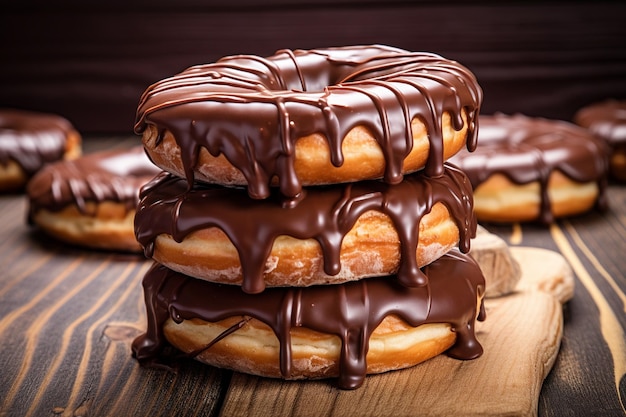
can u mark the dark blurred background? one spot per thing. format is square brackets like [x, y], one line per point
[91, 62]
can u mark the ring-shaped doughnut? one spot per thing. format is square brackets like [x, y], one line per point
[90, 201]
[534, 169]
[310, 117]
[29, 140]
[345, 331]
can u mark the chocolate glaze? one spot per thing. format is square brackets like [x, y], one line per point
[351, 311]
[115, 175]
[606, 120]
[253, 109]
[32, 139]
[324, 213]
[528, 149]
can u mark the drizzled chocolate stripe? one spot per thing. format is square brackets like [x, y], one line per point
[528, 149]
[32, 139]
[252, 110]
[326, 214]
[115, 175]
[352, 311]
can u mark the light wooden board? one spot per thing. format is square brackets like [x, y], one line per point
[521, 338]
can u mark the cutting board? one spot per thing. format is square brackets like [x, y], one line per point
[521, 338]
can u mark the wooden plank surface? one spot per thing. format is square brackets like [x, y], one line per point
[68, 315]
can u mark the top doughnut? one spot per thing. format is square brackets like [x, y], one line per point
[310, 117]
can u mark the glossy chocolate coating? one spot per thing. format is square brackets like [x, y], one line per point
[606, 120]
[115, 175]
[325, 214]
[351, 311]
[253, 109]
[32, 139]
[528, 149]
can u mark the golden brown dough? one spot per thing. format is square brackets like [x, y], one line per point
[371, 248]
[363, 156]
[310, 117]
[254, 348]
[90, 201]
[107, 225]
[348, 330]
[534, 169]
[334, 234]
[500, 200]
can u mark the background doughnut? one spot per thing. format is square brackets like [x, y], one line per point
[534, 169]
[607, 121]
[28, 140]
[91, 201]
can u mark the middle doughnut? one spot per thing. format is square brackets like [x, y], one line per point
[335, 233]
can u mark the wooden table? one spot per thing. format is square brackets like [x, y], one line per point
[68, 316]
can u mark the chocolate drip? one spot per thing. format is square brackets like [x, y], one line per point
[32, 139]
[252, 110]
[352, 311]
[326, 214]
[527, 149]
[103, 176]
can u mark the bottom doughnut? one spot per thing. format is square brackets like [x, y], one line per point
[346, 330]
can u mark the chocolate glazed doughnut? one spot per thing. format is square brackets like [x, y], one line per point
[334, 234]
[91, 201]
[310, 117]
[356, 317]
[29, 140]
[607, 121]
[527, 169]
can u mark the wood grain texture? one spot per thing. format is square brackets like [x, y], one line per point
[545, 271]
[68, 315]
[591, 362]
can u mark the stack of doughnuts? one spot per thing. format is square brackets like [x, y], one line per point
[607, 121]
[306, 224]
[29, 140]
[534, 169]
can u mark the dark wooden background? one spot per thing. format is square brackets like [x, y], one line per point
[90, 62]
